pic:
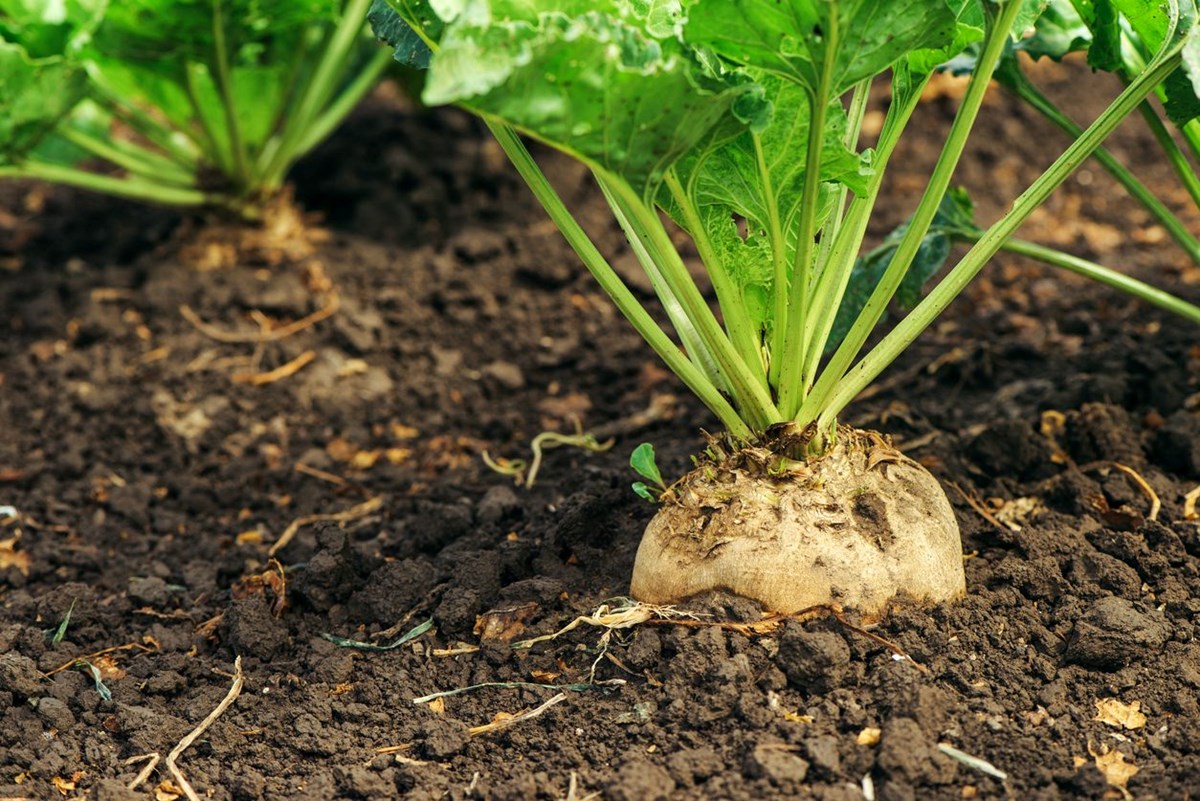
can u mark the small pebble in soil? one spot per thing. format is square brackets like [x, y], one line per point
[441, 739]
[113, 790]
[778, 763]
[148, 591]
[694, 765]
[506, 374]
[1114, 632]
[498, 503]
[20, 675]
[905, 754]
[816, 661]
[823, 755]
[640, 781]
[249, 628]
[55, 713]
[1177, 443]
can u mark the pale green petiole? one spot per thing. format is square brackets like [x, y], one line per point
[790, 387]
[611, 283]
[132, 188]
[749, 396]
[1138, 190]
[816, 404]
[993, 239]
[640, 241]
[745, 339]
[835, 277]
[1104, 275]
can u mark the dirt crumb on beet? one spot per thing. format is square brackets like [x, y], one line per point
[150, 483]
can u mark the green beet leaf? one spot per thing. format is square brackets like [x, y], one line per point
[724, 183]
[642, 491]
[1147, 24]
[642, 461]
[607, 82]
[1151, 22]
[35, 94]
[390, 27]
[41, 78]
[1058, 31]
[796, 40]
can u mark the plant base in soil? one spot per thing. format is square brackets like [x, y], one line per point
[857, 526]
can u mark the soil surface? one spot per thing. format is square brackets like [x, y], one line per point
[165, 426]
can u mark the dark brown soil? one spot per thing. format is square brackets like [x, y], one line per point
[147, 482]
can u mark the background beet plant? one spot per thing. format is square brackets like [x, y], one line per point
[183, 102]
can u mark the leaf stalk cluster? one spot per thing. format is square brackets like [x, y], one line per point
[766, 180]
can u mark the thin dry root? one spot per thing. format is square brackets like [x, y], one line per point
[353, 513]
[187, 741]
[503, 722]
[1155, 503]
[273, 335]
[279, 373]
[151, 761]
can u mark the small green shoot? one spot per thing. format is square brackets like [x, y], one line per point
[101, 688]
[544, 442]
[61, 631]
[642, 460]
[408, 636]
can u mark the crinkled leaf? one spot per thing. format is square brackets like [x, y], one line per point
[1104, 23]
[184, 30]
[748, 259]
[418, 15]
[1042, 28]
[724, 183]
[1027, 17]
[968, 30]
[390, 27]
[590, 78]
[48, 29]
[41, 80]
[1191, 61]
[1058, 31]
[34, 95]
[955, 214]
[1149, 22]
[795, 39]
[976, 13]
[1183, 85]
